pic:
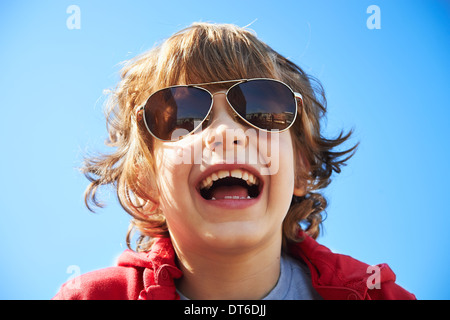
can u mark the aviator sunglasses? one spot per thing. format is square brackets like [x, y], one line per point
[177, 111]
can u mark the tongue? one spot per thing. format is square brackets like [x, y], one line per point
[229, 192]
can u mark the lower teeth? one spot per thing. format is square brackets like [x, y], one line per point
[233, 198]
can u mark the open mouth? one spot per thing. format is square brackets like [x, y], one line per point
[236, 184]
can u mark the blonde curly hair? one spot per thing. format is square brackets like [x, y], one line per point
[206, 52]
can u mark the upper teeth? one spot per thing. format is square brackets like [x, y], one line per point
[235, 173]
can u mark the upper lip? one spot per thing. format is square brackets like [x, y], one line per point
[217, 167]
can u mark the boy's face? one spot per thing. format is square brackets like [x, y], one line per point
[205, 208]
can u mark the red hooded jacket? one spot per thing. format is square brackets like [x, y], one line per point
[150, 276]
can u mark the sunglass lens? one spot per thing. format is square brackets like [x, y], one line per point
[267, 104]
[174, 112]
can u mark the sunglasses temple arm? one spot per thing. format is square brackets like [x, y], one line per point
[298, 96]
[140, 108]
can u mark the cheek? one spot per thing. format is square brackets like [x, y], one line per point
[286, 157]
[171, 174]
[278, 155]
[281, 173]
[173, 168]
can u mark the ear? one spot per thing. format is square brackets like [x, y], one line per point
[139, 113]
[300, 192]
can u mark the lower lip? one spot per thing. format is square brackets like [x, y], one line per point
[231, 204]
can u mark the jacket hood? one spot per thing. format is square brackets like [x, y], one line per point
[160, 270]
[161, 253]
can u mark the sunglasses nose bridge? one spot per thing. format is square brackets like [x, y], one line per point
[218, 92]
[222, 111]
[223, 130]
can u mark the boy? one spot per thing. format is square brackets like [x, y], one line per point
[218, 152]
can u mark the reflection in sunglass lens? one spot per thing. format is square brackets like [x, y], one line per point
[174, 112]
[266, 104]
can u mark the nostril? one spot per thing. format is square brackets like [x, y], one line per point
[214, 141]
[240, 138]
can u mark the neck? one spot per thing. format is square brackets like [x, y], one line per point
[245, 275]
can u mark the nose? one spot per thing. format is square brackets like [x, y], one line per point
[224, 131]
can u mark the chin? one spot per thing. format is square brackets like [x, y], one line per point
[236, 236]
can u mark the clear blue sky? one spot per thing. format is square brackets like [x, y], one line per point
[390, 84]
